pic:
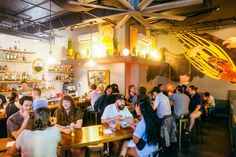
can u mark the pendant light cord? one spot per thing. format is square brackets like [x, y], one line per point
[50, 25]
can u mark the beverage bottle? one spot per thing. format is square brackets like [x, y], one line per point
[72, 127]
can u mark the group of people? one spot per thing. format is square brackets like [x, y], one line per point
[31, 126]
[29, 122]
[186, 102]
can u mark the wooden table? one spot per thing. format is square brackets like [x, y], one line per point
[3, 116]
[3, 144]
[83, 137]
[90, 135]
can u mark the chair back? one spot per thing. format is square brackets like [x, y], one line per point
[156, 152]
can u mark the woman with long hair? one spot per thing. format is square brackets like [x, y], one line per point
[12, 106]
[100, 103]
[147, 132]
[68, 113]
[40, 139]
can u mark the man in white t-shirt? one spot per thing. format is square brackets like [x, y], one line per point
[116, 111]
[210, 102]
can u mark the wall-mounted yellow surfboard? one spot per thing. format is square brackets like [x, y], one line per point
[208, 57]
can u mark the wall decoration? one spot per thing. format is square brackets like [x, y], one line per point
[205, 54]
[107, 35]
[133, 40]
[212, 56]
[99, 77]
[38, 65]
[69, 50]
[173, 66]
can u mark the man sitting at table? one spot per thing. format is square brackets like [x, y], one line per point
[117, 111]
[194, 106]
[17, 122]
[113, 113]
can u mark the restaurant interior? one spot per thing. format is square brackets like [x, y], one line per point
[74, 51]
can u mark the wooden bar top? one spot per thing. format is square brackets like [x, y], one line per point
[91, 135]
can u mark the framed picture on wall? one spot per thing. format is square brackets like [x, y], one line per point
[99, 77]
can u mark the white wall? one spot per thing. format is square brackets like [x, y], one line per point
[42, 51]
[218, 88]
[117, 75]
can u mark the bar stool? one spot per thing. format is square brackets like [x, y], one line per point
[95, 148]
[183, 119]
[95, 113]
[198, 127]
[157, 152]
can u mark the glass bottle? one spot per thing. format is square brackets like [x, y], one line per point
[72, 127]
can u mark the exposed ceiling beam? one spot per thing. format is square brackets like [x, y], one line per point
[94, 6]
[144, 4]
[103, 18]
[126, 4]
[140, 19]
[164, 16]
[106, 17]
[123, 21]
[172, 5]
[22, 34]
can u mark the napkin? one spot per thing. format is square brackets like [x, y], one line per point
[9, 144]
[107, 131]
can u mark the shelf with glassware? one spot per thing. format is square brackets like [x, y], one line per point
[14, 55]
[9, 92]
[64, 73]
[16, 77]
[67, 69]
[8, 87]
[16, 50]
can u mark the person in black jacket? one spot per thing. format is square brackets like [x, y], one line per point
[111, 99]
[11, 107]
[2, 101]
[100, 103]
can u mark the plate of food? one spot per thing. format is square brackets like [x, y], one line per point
[125, 125]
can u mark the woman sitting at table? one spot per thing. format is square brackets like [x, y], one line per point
[12, 107]
[68, 113]
[147, 132]
[40, 139]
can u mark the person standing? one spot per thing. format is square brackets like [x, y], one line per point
[25, 90]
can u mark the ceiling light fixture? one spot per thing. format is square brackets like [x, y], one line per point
[50, 59]
[91, 62]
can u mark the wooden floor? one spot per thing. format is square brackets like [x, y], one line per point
[216, 141]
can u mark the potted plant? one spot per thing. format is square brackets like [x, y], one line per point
[115, 47]
[70, 51]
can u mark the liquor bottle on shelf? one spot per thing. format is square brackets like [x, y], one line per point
[15, 46]
[8, 56]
